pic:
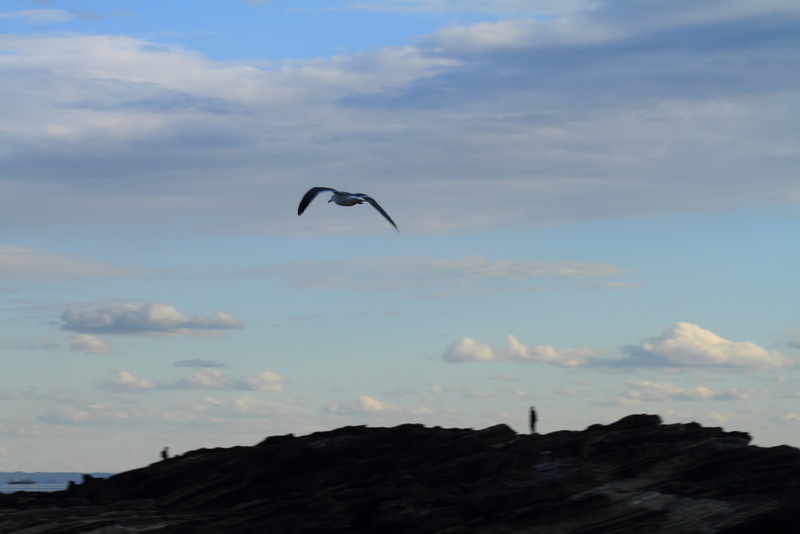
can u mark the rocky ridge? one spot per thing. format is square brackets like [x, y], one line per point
[633, 476]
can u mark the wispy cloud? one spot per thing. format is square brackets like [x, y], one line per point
[465, 392]
[613, 111]
[469, 350]
[372, 407]
[377, 412]
[51, 16]
[200, 363]
[789, 419]
[441, 277]
[20, 264]
[266, 415]
[794, 340]
[27, 429]
[125, 381]
[211, 379]
[40, 16]
[645, 391]
[460, 6]
[398, 392]
[362, 405]
[516, 394]
[41, 344]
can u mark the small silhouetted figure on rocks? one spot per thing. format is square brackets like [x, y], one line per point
[533, 420]
[165, 453]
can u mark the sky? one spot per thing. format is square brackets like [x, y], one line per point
[597, 203]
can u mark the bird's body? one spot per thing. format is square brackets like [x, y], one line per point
[346, 199]
[342, 198]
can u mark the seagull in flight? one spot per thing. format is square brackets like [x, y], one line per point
[342, 198]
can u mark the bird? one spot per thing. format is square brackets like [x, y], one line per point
[342, 198]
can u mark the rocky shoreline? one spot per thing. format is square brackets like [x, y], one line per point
[633, 476]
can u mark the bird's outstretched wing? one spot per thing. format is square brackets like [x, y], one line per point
[309, 196]
[379, 208]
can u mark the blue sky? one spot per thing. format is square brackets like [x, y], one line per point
[597, 204]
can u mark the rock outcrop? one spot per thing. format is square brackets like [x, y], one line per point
[633, 476]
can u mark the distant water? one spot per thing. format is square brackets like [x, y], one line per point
[44, 481]
[11, 488]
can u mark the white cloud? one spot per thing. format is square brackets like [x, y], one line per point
[469, 350]
[206, 379]
[446, 277]
[370, 407]
[125, 381]
[688, 345]
[89, 344]
[28, 265]
[682, 345]
[144, 319]
[263, 381]
[789, 418]
[361, 405]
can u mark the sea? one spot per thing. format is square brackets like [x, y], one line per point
[11, 488]
[44, 481]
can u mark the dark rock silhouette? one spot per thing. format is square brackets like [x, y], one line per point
[634, 476]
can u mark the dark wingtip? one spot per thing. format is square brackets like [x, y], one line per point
[381, 210]
[309, 196]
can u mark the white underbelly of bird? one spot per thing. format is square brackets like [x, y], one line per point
[345, 200]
